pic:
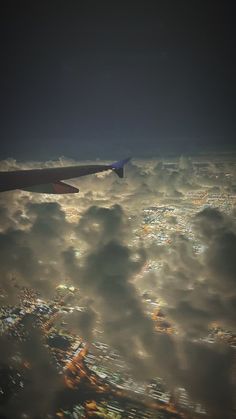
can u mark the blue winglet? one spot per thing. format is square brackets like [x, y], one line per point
[118, 166]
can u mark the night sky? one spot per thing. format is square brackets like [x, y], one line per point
[107, 82]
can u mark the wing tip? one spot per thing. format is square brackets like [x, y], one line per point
[118, 166]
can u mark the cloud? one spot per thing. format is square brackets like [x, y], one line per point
[41, 379]
[99, 225]
[40, 240]
[31, 254]
[81, 322]
[218, 232]
[199, 288]
[105, 275]
[207, 375]
[145, 181]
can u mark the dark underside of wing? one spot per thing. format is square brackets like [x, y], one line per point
[46, 179]
[52, 188]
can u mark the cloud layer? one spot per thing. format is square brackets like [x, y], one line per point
[91, 241]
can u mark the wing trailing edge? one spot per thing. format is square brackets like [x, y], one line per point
[52, 188]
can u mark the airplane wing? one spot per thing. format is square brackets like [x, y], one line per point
[49, 180]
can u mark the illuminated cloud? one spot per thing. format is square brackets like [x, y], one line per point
[89, 239]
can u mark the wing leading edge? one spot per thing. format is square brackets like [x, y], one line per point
[49, 180]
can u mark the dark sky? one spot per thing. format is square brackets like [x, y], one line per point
[86, 82]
